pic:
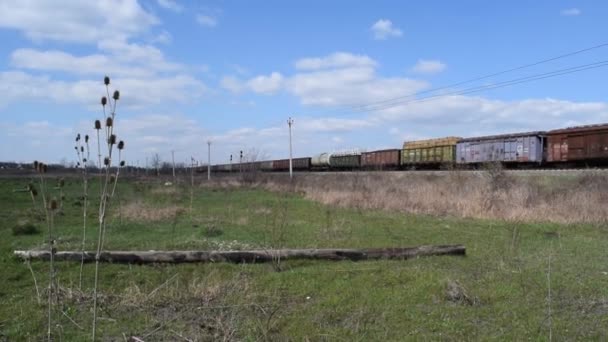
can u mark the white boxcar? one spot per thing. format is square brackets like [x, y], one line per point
[508, 148]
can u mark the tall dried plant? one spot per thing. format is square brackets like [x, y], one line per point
[49, 208]
[83, 154]
[108, 185]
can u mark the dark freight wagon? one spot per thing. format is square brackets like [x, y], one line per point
[429, 152]
[509, 148]
[378, 160]
[346, 161]
[297, 164]
[582, 144]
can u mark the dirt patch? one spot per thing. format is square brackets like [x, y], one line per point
[138, 211]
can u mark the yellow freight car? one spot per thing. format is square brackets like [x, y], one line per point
[432, 152]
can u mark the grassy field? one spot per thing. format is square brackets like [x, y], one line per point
[518, 281]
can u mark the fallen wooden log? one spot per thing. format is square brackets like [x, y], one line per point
[251, 256]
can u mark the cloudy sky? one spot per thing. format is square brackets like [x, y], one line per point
[352, 74]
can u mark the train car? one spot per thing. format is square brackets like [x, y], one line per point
[297, 164]
[320, 161]
[581, 145]
[267, 165]
[429, 153]
[345, 161]
[510, 149]
[381, 159]
[280, 165]
[301, 163]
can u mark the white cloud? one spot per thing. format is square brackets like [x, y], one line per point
[206, 20]
[570, 12]
[333, 80]
[135, 92]
[424, 66]
[261, 84]
[384, 29]
[335, 60]
[119, 58]
[170, 5]
[163, 38]
[330, 124]
[266, 84]
[349, 86]
[232, 84]
[458, 114]
[76, 20]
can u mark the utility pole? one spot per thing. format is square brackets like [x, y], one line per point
[173, 162]
[208, 159]
[290, 122]
[230, 164]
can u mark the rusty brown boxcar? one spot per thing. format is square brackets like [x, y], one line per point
[380, 160]
[297, 164]
[581, 144]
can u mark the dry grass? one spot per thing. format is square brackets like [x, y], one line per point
[489, 194]
[141, 212]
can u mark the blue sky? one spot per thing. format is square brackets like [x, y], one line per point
[233, 71]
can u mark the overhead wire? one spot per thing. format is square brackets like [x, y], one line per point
[456, 84]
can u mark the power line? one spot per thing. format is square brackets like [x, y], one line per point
[393, 102]
[495, 85]
[479, 78]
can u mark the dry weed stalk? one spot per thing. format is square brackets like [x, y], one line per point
[49, 208]
[82, 163]
[106, 181]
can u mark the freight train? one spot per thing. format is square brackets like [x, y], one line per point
[560, 148]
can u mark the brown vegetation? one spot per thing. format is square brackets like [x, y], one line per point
[138, 211]
[489, 194]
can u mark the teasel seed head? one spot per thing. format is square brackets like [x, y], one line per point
[44, 168]
[78, 137]
[109, 122]
[36, 165]
[77, 164]
[30, 187]
[82, 149]
[121, 145]
[34, 192]
[106, 80]
[84, 160]
[122, 163]
[86, 138]
[97, 124]
[106, 161]
[116, 95]
[53, 204]
[112, 139]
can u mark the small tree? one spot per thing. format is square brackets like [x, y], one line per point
[156, 163]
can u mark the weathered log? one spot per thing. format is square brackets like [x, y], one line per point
[251, 256]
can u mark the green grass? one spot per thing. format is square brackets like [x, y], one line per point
[505, 271]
